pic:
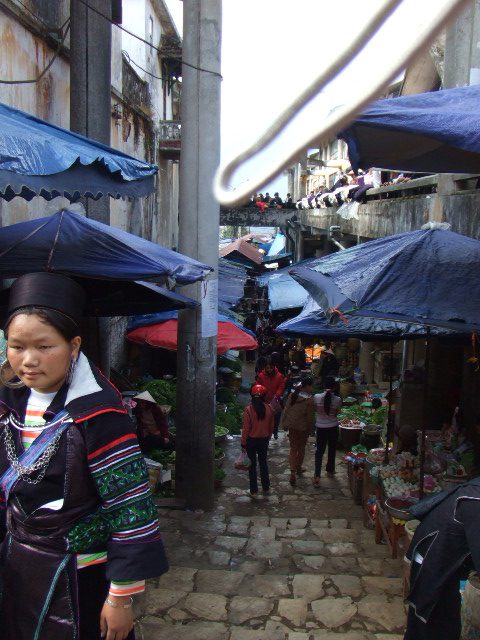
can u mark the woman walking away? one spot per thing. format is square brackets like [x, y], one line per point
[298, 419]
[327, 406]
[258, 422]
[80, 529]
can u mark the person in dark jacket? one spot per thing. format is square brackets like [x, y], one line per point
[329, 365]
[444, 549]
[257, 429]
[80, 529]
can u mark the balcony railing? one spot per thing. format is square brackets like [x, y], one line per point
[170, 139]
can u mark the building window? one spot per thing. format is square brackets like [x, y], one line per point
[150, 30]
[333, 150]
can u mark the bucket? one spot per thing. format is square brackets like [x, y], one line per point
[349, 436]
[371, 436]
[471, 609]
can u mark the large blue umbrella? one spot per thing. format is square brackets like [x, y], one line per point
[39, 158]
[77, 246]
[312, 321]
[428, 277]
[231, 283]
[120, 298]
[436, 132]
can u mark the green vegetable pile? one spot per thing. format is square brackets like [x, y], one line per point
[164, 457]
[363, 414]
[162, 391]
[219, 473]
[235, 364]
[230, 419]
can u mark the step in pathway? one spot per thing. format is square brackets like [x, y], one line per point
[297, 564]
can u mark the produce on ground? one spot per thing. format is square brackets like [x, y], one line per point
[162, 391]
[164, 457]
[356, 415]
[231, 418]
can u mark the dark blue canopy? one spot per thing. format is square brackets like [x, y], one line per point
[312, 321]
[437, 132]
[120, 298]
[231, 283]
[77, 246]
[429, 277]
[39, 158]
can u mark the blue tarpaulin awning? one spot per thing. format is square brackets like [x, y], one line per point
[312, 321]
[285, 293]
[435, 132]
[39, 158]
[428, 277]
[231, 283]
[77, 246]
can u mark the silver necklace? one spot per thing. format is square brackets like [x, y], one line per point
[24, 471]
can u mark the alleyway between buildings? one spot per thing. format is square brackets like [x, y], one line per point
[295, 565]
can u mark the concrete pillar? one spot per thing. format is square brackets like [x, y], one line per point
[299, 245]
[90, 115]
[198, 238]
[90, 81]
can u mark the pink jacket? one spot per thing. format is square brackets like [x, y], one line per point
[255, 428]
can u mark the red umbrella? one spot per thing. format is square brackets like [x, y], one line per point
[164, 335]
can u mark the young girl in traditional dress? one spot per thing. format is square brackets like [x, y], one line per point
[81, 532]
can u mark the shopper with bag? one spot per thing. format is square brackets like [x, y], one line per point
[298, 419]
[258, 423]
[274, 382]
[327, 406]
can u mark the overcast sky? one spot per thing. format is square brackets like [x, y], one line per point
[272, 49]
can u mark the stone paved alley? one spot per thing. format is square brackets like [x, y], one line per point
[296, 565]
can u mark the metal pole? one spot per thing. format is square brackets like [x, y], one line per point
[198, 237]
[425, 411]
[90, 115]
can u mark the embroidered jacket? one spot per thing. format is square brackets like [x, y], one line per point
[99, 449]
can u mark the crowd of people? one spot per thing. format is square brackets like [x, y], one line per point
[266, 201]
[349, 187]
[283, 398]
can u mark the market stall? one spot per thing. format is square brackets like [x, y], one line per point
[387, 490]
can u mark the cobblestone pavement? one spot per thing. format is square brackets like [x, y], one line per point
[295, 565]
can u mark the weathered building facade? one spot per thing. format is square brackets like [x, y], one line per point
[145, 95]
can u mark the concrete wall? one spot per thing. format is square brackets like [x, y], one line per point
[252, 217]
[380, 218]
[25, 53]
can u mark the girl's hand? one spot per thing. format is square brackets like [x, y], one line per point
[116, 623]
